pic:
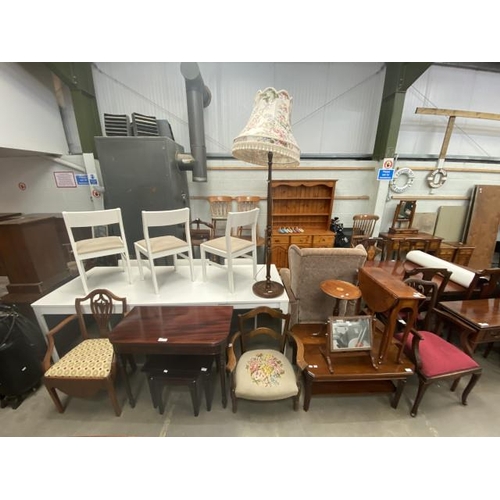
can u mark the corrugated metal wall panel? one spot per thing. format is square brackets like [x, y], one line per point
[335, 105]
[452, 88]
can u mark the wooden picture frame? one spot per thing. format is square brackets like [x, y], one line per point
[349, 334]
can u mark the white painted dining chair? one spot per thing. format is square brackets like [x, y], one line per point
[229, 247]
[100, 246]
[163, 246]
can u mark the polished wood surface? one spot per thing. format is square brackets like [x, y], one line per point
[340, 289]
[428, 242]
[196, 330]
[385, 294]
[397, 268]
[351, 374]
[482, 315]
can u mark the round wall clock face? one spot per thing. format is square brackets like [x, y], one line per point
[402, 180]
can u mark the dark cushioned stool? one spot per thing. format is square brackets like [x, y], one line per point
[193, 371]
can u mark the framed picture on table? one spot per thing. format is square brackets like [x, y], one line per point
[350, 334]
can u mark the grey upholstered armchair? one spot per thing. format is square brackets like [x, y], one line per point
[308, 268]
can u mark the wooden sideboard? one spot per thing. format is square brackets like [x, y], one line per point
[303, 204]
[425, 241]
[32, 254]
[456, 252]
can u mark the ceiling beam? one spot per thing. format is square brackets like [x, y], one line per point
[399, 77]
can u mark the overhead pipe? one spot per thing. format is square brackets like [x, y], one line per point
[198, 97]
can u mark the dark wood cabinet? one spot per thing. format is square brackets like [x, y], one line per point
[32, 254]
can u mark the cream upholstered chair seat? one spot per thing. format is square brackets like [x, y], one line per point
[237, 244]
[265, 375]
[104, 243]
[162, 243]
[92, 358]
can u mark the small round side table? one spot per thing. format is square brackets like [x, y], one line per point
[342, 291]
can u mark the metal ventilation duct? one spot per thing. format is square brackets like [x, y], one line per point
[198, 97]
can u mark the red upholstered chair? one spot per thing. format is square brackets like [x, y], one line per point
[436, 359]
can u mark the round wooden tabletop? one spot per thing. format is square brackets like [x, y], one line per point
[340, 289]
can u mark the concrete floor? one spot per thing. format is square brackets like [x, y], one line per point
[440, 414]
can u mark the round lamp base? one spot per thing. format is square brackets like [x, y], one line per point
[268, 289]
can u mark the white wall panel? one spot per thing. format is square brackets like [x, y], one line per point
[41, 194]
[29, 114]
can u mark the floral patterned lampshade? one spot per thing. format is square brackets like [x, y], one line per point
[268, 130]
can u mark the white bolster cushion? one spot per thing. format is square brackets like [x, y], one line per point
[458, 274]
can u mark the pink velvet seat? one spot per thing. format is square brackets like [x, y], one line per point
[435, 358]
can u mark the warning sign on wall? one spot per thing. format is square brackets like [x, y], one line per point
[388, 163]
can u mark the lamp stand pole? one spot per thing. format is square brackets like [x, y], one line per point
[268, 289]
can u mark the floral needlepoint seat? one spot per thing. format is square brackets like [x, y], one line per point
[265, 375]
[258, 368]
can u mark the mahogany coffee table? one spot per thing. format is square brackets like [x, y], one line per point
[194, 330]
[351, 374]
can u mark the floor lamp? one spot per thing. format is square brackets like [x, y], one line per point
[267, 139]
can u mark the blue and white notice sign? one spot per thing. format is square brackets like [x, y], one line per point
[385, 174]
[82, 179]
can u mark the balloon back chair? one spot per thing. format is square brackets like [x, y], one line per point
[258, 368]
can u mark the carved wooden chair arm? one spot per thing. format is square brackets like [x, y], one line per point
[300, 361]
[232, 359]
[50, 340]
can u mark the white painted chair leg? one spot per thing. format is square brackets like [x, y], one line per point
[191, 265]
[230, 275]
[139, 262]
[83, 276]
[203, 263]
[153, 275]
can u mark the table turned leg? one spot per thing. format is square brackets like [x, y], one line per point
[122, 362]
[397, 394]
[307, 390]
[221, 366]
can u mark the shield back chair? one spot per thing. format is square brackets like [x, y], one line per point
[157, 247]
[230, 247]
[440, 276]
[95, 247]
[435, 358]
[220, 206]
[90, 366]
[257, 365]
[363, 226]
